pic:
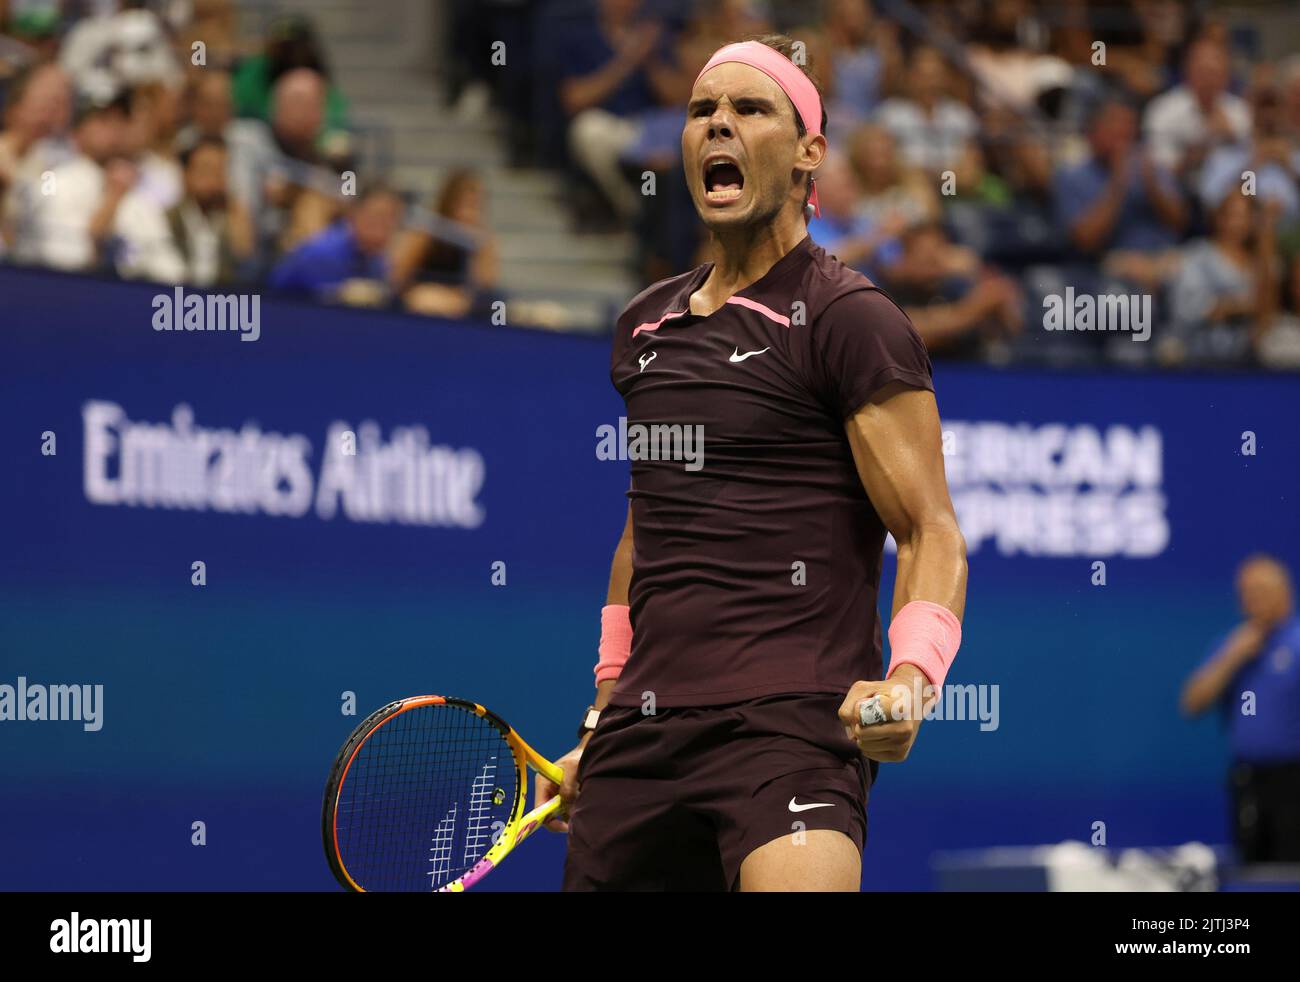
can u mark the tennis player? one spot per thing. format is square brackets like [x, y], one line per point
[740, 709]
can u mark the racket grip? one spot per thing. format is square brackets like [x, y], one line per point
[531, 822]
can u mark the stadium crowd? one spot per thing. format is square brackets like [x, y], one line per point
[988, 158]
[989, 155]
[143, 141]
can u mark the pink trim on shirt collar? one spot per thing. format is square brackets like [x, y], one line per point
[767, 312]
[654, 325]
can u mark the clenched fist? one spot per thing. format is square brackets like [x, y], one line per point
[897, 697]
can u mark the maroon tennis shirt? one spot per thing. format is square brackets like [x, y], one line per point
[756, 557]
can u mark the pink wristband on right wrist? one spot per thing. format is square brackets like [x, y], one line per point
[615, 641]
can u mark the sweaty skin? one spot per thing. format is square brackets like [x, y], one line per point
[898, 450]
[620, 576]
[738, 111]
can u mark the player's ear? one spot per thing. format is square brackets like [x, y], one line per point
[814, 152]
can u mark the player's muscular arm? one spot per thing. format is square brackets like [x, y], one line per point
[620, 570]
[898, 450]
[620, 577]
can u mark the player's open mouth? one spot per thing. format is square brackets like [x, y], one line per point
[723, 180]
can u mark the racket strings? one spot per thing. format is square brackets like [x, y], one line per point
[423, 799]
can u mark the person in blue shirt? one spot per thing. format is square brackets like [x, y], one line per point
[1253, 675]
[1118, 206]
[854, 237]
[615, 73]
[351, 252]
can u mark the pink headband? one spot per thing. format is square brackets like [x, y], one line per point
[785, 73]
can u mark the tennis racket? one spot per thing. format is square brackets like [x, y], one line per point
[428, 794]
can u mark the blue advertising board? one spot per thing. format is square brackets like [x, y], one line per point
[385, 505]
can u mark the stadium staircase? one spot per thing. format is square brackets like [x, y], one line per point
[383, 56]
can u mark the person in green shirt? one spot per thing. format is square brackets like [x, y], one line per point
[291, 43]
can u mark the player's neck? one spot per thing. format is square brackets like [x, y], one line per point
[741, 256]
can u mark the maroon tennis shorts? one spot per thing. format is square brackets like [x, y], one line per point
[677, 800]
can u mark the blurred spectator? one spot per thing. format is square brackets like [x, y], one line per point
[151, 141]
[973, 181]
[124, 46]
[1224, 285]
[1290, 90]
[1253, 676]
[712, 24]
[1271, 156]
[212, 24]
[290, 45]
[348, 261]
[297, 120]
[209, 108]
[616, 74]
[1041, 137]
[1011, 75]
[934, 132]
[865, 57]
[1073, 38]
[33, 129]
[440, 275]
[844, 111]
[29, 34]
[1118, 205]
[1142, 39]
[1017, 151]
[1183, 125]
[894, 197]
[207, 236]
[1279, 338]
[1016, 80]
[278, 171]
[843, 230]
[86, 213]
[956, 309]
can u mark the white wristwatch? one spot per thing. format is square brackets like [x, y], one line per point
[589, 721]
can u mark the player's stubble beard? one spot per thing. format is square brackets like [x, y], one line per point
[735, 233]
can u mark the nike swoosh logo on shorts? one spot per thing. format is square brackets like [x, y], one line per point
[737, 356]
[796, 807]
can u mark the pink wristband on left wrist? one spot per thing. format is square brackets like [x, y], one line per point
[926, 635]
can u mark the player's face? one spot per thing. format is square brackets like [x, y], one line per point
[739, 147]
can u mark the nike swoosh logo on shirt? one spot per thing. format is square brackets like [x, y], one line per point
[796, 807]
[737, 356]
